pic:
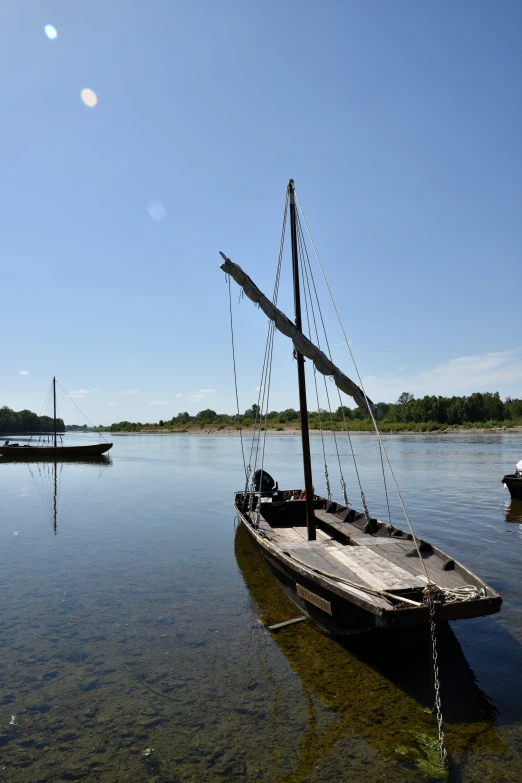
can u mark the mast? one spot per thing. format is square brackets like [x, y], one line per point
[305, 438]
[54, 409]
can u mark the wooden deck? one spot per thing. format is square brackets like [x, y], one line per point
[380, 562]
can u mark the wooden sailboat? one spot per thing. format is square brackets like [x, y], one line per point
[54, 451]
[346, 570]
[356, 667]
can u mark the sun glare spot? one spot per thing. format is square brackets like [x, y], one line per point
[156, 211]
[51, 32]
[89, 97]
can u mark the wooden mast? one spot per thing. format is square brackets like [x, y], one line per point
[54, 409]
[307, 464]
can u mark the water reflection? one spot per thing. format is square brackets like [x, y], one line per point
[514, 511]
[46, 474]
[378, 686]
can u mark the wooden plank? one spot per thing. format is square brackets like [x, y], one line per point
[411, 563]
[317, 557]
[303, 534]
[314, 557]
[314, 599]
[380, 541]
[376, 570]
[322, 536]
[286, 623]
[287, 534]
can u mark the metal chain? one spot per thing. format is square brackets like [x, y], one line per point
[345, 494]
[363, 501]
[327, 479]
[430, 600]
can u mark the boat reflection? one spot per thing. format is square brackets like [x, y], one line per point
[514, 511]
[378, 685]
[98, 459]
[46, 473]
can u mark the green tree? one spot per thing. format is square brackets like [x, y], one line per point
[207, 415]
[253, 412]
[405, 398]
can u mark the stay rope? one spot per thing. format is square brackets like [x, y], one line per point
[381, 444]
[347, 430]
[264, 386]
[308, 298]
[83, 414]
[235, 372]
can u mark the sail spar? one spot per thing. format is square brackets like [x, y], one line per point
[301, 343]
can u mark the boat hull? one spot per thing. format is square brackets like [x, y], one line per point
[54, 452]
[339, 612]
[514, 484]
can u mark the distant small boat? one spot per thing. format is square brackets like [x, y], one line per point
[54, 451]
[514, 484]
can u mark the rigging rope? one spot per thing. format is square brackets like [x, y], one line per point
[308, 297]
[46, 406]
[274, 300]
[343, 483]
[235, 373]
[365, 396]
[266, 375]
[83, 414]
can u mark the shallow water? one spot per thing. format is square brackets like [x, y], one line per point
[138, 623]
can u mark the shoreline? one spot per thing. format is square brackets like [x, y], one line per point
[296, 431]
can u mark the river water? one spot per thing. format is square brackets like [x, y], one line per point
[133, 640]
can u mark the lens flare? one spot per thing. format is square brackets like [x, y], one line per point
[156, 211]
[89, 97]
[51, 32]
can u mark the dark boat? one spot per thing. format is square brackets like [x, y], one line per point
[357, 576]
[514, 484]
[54, 451]
[341, 673]
[347, 571]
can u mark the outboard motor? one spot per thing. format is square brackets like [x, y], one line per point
[264, 483]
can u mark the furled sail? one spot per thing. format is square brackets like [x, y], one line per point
[301, 343]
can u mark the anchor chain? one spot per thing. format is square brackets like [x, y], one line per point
[363, 501]
[343, 487]
[430, 596]
[327, 479]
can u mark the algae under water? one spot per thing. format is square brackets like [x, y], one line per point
[133, 640]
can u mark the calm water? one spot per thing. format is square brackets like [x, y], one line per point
[138, 624]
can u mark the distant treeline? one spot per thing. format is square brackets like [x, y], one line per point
[26, 421]
[426, 413]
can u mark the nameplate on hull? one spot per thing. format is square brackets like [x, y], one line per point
[314, 599]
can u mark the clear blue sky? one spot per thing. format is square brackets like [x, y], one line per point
[400, 122]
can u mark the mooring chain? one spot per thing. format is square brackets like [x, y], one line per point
[327, 479]
[363, 501]
[430, 600]
[345, 494]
